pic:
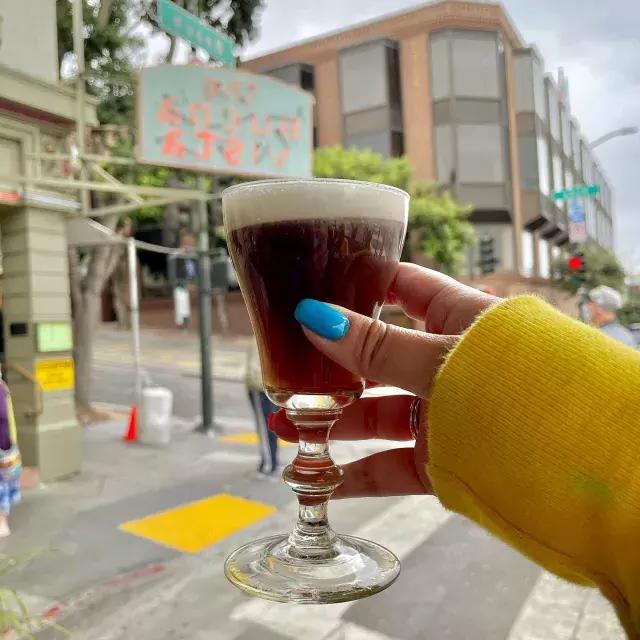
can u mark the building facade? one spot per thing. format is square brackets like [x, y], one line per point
[453, 85]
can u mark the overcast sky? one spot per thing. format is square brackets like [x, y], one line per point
[597, 43]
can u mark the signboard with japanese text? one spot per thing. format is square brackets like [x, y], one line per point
[53, 336]
[577, 221]
[223, 121]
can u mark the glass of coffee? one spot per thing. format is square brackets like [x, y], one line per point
[338, 241]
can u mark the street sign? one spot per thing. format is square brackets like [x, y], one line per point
[223, 120]
[186, 25]
[577, 222]
[584, 190]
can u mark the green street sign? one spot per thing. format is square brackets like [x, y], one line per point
[185, 25]
[581, 190]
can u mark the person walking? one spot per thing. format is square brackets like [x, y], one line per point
[10, 461]
[524, 420]
[262, 408]
[601, 310]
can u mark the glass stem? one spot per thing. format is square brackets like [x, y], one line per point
[313, 476]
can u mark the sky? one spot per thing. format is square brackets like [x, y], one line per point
[597, 43]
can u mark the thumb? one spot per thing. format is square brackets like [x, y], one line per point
[373, 349]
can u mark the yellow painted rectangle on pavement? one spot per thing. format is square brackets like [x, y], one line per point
[250, 437]
[197, 525]
[54, 375]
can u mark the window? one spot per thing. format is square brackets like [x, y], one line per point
[363, 77]
[528, 154]
[554, 113]
[543, 164]
[538, 89]
[527, 254]
[523, 72]
[393, 74]
[475, 66]
[480, 157]
[444, 153]
[565, 131]
[575, 143]
[558, 177]
[440, 70]
[544, 267]
[378, 142]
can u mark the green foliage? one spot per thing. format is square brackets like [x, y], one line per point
[438, 225]
[630, 313]
[113, 52]
[601, 267]
[14, 613]
[110, 54]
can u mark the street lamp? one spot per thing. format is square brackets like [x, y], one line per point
[624, 131]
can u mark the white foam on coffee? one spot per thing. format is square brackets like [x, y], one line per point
[281, 200]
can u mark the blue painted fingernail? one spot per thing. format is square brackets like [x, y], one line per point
[322, 319]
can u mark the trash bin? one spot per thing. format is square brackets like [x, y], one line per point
[155, 415]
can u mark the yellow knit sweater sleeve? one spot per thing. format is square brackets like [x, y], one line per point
[535, 434]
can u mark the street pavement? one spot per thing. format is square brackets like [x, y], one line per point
[135, 544]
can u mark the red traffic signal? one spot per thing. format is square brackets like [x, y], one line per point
[576, 263]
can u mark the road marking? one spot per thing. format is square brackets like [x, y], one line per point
[196, 525]
[551, 611]
[250, 438]
[402, 528]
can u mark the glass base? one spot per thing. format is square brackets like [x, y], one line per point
[271, 569]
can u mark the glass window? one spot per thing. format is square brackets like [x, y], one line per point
[538, 89]
[568, 178]
[444, 153]
[475, 66]
[480, 157]
[440, 85]
[543, 164]
[558, 177]
[523, 75]
[554, 114]
[544, 268]
[378, 142]
[575, 143]
[528, 154]
[565, 131]
[397, 143]
[527, 254]
[363, 77]
[586, 162]
[393, 73]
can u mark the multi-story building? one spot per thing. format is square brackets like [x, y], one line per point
[453, 85]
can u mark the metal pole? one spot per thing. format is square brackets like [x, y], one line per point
[204, 312]
[78, 49]
[135, 313]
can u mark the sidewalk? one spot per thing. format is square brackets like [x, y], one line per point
[73, 525]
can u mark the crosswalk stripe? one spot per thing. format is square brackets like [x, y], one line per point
[402, 528]
[558, 610]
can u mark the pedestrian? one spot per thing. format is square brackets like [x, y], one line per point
[262, 408]
[601, 310]
[10, 461]
[524, 420]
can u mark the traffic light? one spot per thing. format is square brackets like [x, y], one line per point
[577, 267]
[488, 260]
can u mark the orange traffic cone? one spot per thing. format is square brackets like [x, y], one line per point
[131, 434]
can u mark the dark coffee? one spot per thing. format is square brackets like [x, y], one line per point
[345, 261]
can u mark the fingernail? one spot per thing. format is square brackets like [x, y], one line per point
[322, 319]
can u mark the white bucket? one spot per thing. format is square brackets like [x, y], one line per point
[155, 415]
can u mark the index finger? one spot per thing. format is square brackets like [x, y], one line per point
[445, 305]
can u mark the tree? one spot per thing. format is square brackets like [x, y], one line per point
[438, 227]
[112, 52]
[601, 267]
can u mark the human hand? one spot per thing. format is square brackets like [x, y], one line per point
[394, 356]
